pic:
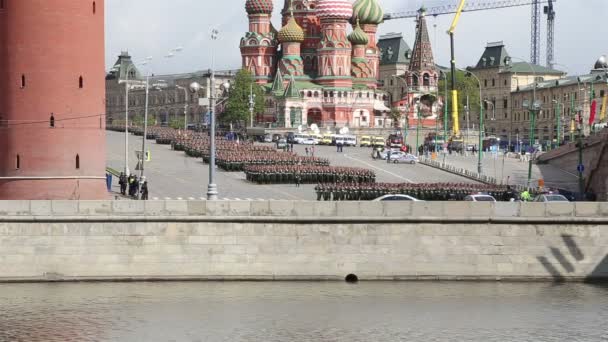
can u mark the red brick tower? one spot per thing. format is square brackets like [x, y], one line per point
[259, 46]
[422, 64]
[52, 100]
[335, 50]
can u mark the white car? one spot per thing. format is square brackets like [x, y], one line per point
[397, 197]
[394, 155]
[406, 158]
[551, 198]
[310, 141]
[480, 198]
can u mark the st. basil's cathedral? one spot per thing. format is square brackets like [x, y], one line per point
[315, 71]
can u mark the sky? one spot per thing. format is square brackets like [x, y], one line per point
[151, 28]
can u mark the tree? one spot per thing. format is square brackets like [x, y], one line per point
[466, 86]
[395, 115]
[237, 107]
[176, 124]
[137, 121]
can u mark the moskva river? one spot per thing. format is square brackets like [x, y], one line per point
[303, 311]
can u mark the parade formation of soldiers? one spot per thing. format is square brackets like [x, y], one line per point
[423, 191]
[307, 174]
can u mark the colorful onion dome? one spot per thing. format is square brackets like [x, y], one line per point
[259, 6]
[291, 32]
[368, 12]
[358, 37]
[334, 9]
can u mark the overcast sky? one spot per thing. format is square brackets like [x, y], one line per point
[153, 27]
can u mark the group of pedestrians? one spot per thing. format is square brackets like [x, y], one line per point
[133, 186]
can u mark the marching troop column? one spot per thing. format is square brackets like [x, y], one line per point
[52, 100]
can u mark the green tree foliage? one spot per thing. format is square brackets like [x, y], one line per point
[466, 86]
[176, 124]
[138, 121]
[395, 115]
[237, 108]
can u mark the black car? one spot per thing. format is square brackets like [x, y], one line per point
[291, 138]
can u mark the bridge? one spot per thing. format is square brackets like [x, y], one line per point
[595, 162]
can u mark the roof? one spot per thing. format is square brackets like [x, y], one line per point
[493, 56]
[562, 82]
[524, 68]
[394, 50]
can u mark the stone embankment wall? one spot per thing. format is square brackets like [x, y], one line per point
[130, 240]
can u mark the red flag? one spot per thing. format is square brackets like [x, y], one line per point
[593, 110]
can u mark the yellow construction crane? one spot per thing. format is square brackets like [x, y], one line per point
[455, 121]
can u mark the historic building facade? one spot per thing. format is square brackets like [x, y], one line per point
[52, 127]
[507, 86]
[410, 76]
[315, 71]
[170, 98]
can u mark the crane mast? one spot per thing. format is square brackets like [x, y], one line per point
[550, 12]
[455, 121]
[480, 5]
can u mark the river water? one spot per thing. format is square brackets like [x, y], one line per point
[303, 311]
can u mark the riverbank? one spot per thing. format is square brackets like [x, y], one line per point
[284, 240]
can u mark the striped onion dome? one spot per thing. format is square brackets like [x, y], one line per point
[259, 6]
[291, 32]
[368, 12]
[358, 37]
[334, 9]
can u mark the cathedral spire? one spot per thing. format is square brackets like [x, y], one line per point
[422, 54]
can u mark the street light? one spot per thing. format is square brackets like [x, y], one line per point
[186, 100]
[481, 126]
[534, 108]
[131, 66]
[558, 117]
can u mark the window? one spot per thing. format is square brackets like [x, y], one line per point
[22, 81]
[505, 103]
[80, 82]
[1, 4]
[94, 7]
[18, 162]
[77, 162]
[52, 121]
[493, 83]
[505, 83]
[485, 83]
[602, 93]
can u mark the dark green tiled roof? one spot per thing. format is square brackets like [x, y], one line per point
[492, 57]
[524, 68]
[394, 50]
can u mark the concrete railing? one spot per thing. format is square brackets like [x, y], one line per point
[300, 211]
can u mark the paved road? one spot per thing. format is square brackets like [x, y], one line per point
[512, 171]
[172, 175]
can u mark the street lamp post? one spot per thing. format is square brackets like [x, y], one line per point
[251, 105]
[418, 128]
[558, 118]
[534, 108]
[186, 100]
[481, 126]
[445, 108]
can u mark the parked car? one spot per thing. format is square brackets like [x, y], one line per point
[407, 158]
[281, 143]
[365, 141]
[291, 138]
[480, 198]
[394, 154]
[327, 139]
[395, 140]
[397, 198]
[551, 197]
[276, 137]
[310, 141]
[267, 138]
[300, 137]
